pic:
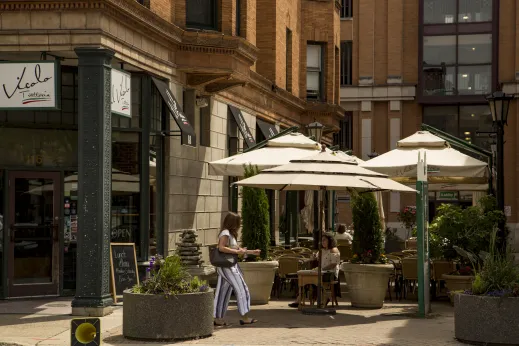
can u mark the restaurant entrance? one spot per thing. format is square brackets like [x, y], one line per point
[33, 229]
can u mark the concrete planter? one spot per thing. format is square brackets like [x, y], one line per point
[486, 320]
[458, 282]
[157, 317]
[259, 277]
[367, 283]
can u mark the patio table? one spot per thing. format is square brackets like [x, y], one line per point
[307, 277]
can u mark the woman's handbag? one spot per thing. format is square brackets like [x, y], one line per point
[222, 259]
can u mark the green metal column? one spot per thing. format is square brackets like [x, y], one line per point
[422, 222]
[94, 182]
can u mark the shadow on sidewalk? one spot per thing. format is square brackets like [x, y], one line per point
[30, 311]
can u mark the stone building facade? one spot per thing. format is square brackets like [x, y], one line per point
[408, 62]
[219, 61]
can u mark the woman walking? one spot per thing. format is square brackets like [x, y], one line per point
[231, 278]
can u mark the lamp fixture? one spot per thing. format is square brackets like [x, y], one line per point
[315, 130]
[499, 103]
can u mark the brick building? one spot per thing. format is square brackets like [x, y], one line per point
[408, 62]
[194, 81]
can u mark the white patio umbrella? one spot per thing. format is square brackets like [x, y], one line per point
[278, 151]
[323, 171]
[448, 169]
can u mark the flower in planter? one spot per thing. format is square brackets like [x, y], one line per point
[169, 277]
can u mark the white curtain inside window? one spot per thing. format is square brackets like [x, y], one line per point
[313, 56]
[312, 80]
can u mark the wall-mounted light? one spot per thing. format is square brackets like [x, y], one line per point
[201, 102]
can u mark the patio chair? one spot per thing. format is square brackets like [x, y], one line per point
[439, 268]
[346, 252]
[410, 274]
[287, 272]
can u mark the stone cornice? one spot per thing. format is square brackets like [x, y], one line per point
[262, 83]
[129, 12]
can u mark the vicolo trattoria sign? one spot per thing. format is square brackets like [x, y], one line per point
[121, 93]
[25, 85]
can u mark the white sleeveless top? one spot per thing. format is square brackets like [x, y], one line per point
[232, 241]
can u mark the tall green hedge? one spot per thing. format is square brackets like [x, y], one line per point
[255, 216]
[368, 240]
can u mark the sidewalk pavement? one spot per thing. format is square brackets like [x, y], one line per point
[47, 322]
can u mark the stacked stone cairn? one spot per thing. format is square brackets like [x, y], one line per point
[189, 250]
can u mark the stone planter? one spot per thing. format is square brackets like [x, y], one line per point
[259, 277]
[458, 282]
[157, 317]
[367, 283]
[486, 320]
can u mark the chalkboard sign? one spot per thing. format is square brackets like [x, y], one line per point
[123, 264]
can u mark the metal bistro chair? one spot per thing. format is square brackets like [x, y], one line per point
[410, 274]
[289, 265]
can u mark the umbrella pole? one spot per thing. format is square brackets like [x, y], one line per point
[320, 310]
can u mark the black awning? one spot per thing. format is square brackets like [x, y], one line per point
[242, 125]
[268, 130]
[188, 136]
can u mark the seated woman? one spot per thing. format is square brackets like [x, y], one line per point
[342, 234]
[330, 263]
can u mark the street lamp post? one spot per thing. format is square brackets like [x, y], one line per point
[499, 103]
[315, 130]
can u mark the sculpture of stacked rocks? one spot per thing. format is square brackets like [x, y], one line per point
[189, 250]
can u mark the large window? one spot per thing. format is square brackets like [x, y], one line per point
[201, 14]
[314, 72]
[346, 8]
[457, 65]
[346, 62]
[461, 11]
[461, 121]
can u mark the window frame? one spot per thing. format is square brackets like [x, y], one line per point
[195, 24]
[346, 9]
[458, 29]
[320, 95]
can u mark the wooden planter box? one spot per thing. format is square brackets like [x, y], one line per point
[486, 320]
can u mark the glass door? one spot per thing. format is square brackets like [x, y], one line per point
[34, 233]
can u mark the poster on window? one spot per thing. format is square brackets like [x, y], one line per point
[29, 85]
[121, 93]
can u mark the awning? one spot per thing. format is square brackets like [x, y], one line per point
[242, 125]
[268, 130]
[188, 136]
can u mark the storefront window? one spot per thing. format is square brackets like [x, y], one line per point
[155, 165]
[125, 225]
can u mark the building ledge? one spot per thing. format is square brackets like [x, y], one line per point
[386, 92]
[511, 88]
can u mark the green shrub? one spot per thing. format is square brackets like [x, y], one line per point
[169, 277]
[255, 216]
[468, 229]
[368, 238]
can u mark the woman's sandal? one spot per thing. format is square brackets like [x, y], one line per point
[253, 320]
[222, 324]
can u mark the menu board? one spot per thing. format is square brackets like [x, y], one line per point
[123, 267]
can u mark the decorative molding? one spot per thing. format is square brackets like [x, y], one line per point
[221, 86]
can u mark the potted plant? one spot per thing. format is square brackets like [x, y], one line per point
[164, 306]
[468, 229]
[258, 272]
[368, 273]
[492, 304]
[407, 217]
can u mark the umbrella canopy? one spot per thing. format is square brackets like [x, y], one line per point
[278, 151]
[323, 170]
[442, 160]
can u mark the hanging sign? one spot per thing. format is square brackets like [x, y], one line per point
[26, 85]
[447, 196]
[121, 93]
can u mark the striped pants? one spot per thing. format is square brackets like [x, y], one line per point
[229, 280]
